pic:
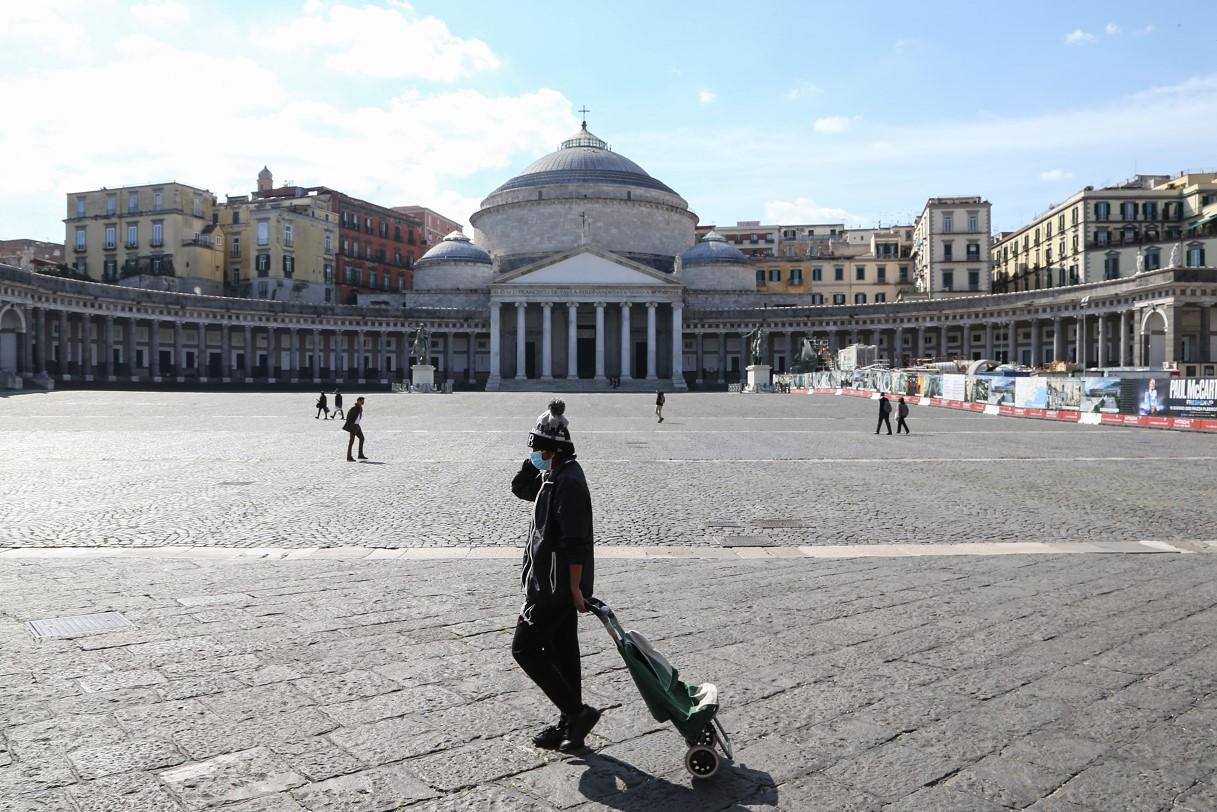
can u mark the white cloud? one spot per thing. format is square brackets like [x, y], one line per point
[54, 24]
[161, 13]
[1078, 37]
[803, 89]
[833, 125]
[707, 96]
[1055, 174]
[406, 150]
[1112, 28]
[805, 210]
[385, 43]
[1149, 29]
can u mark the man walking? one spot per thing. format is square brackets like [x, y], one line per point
[902, 411]
[351, 426]
[557, 577]
[659, 401]
[323, 405]
[885, 414]
[338, 404]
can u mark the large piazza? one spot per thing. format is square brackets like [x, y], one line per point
[584, 267]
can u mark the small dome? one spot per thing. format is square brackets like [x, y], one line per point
[456, 247]
[712, 249]
[265, 173]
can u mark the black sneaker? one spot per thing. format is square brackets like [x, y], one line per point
[551, 738]
[578, 728]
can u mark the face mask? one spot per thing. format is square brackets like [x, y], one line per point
[539, 462]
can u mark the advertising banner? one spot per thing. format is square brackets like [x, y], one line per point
[953, 387]
[1001, 390]
[1100, 395]
[1064, 393]
[931, 386]
[1031, 393]
[1151, 397]
[976, 389]
[1192, 397]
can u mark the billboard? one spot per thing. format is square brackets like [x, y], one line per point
[1064, 393]
[1031, 393]
[1001, 390]
[1192, 397]
[953, 386]
[1151, 396]
[1101, 395]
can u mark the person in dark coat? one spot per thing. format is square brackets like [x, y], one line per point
[885, 414]
[659, 401]
[557, 577]
[323, 405]
[902, 411]
[338, 404]
[351, 426]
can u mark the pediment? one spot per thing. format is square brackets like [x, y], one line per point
[587, 266]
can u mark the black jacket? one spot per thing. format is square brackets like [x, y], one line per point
[885, 407]
[902, 410]
[338, 400]
[560, 533]
[352, 415]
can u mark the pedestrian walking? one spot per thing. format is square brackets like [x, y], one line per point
[556, 578]
[885, 414]
[351, 426]
[659, 401]
[323, 405]
[338, 404]
[902, 411]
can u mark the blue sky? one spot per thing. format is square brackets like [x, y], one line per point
[774, 111]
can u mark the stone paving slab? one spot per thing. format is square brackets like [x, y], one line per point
[1066, 682]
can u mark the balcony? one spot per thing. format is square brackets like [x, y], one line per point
[148, 266]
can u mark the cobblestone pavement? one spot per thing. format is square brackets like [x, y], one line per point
[155, 468]
[1050, 683]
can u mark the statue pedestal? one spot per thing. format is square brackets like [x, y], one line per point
[422, 378]
[758, 377]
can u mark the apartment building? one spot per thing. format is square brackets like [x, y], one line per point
[950, 251]
[435, 226]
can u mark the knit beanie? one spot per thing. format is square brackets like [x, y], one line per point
[552, 432]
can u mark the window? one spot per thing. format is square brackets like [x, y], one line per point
[263, 232]
[1048, 229]
[838, 298]
[346, 246]
[1102, 236]
[111, 204]
[329, 243]
[859, 298]
[397, 232]
[289, 265]
[817, 298]
[329, 274]
[880, 297]
[132, 201]
[948, 251]
[371, 279]
[1060, 222]
[80, 238]
[1073, 217]
[367, 225]
[796, 276]
[760, 278]
[262, 264]
[948, 280]
[401, 281]
[948, 222]
[1149, 211]
[973, 280]
[973, 250]
[904, 274]
[329, 294]
[397, 257]
[1111, 266]
[973, 222]
[384, 229]
[132, 236]
[817, 274]
[1102, 211]
[157, 199]
[775, 274]
[1153, 260]
[881, 273]
[838, 273]
[111, 237]
[1195, 255]
[196, 206]
[1128, 210]
[289, 237]
[80, 207]
[355, 248]
[236, 217]
[859, 273]
[158, 233]
[109, 270]
[235, 250]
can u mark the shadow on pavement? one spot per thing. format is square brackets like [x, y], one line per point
[619, 785]
[370, 462]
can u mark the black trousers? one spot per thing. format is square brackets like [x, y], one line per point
[884, 418]
[355, 432]
[548, 651]
[900, 424]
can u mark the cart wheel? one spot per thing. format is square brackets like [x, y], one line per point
[701, 762]
[706, 737]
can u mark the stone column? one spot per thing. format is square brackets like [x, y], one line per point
[989, 342]
[154, 349]
[470, 357]
[547, 348]
[897, 359]
[339, 361]
[651, 376]
[1100, 356]
[626, 343]
[85, 346]
[64, 359]
[521, 367]
[572, 340]
[1204, 349]
[1012, 342]
[200, 337]
[789, 350]
[722, 357]
[225, 353]
[1037, 352]
[179, 352]
[40, 341]
[382, 353]
[293, 354]
[701, 356]
[1058, 340]
[1171, 343]
[1080, 341]
[448, 356]
[108, 347]
[942, 342]
[965, 341]
[1124, 355]
[495, 330]
[359, 363]
[600, 341]
[129, 353]
[316, 356]
[678, 344]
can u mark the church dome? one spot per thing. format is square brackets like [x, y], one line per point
[712, 250]
[454, 248]
[583, 158]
